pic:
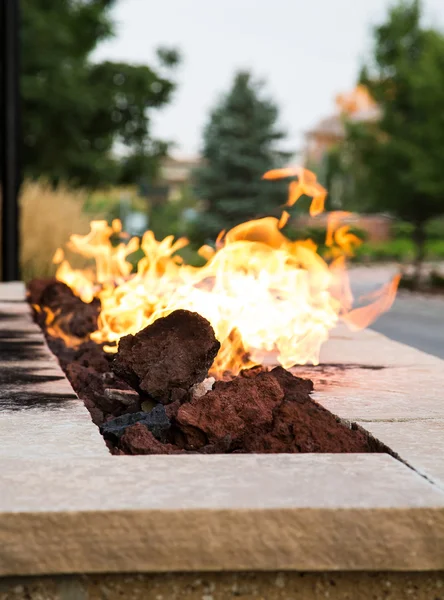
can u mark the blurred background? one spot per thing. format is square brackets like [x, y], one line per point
[166, 115]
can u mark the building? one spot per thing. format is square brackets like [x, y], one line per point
[175, 173]
[354, 106]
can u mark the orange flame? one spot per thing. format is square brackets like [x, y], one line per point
[259, 290]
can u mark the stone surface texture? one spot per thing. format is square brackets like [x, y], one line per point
[68, 506]
[40, 415]
[391, 390]
[277, 585]
[420, 443]
[225, 512]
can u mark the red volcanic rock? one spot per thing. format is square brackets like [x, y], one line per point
[231, 409]
[168, 357]
[138, 440]
[302, 425]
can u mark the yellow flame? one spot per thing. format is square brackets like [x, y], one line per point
[259, 290]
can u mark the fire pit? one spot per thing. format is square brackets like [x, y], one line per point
[266, 475]
[176, 328]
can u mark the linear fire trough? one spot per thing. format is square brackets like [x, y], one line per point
[77, 521]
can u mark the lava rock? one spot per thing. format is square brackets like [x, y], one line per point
[168, 357]
[155, 421]
[75, 317]
[36, 288]
[302, 425]
[138, 440]
[231, 409]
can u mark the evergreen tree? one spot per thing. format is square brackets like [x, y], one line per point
[399, 158]
[239, 146]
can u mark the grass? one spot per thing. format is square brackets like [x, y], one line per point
[48, 217]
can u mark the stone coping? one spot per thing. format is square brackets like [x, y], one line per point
[185, 513]
[37, 402]
[68, 506]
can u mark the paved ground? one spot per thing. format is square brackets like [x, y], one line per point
[414, 319]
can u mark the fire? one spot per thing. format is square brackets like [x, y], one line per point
[260, 291]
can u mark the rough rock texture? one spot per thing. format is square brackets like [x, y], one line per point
[138, 440]
[302, 425]
[265, 412]
[156, 421]
[168, 357]
[230, 409]
[90, 374]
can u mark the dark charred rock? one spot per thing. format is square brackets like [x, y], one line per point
[167, 358]
[232, 408]
[37, 287]
[83, 321]
[75, 317]
[155, 421]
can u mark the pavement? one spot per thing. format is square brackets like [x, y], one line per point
[414, 319]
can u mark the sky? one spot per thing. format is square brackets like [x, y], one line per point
[306, 51]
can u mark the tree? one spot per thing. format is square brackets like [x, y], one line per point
[239, 146]
[399, 158]
[75, 110]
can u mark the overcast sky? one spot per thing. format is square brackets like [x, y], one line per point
[306, 50]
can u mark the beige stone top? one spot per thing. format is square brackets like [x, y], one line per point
[179, 513]
[40, 415]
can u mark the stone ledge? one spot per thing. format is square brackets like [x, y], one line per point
[226, 512]
[420, 443]
[12, 291]
[40, 415]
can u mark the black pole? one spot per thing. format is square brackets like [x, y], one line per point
[10, 138]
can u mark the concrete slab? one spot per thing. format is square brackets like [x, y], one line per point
[12, 291]
[387, 394]
[226, 512]
[40, 415]
[420, 443]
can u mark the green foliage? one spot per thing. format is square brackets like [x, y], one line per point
[239, 146]
[399, 250]
[171, 217]
[434, 229]
[399, 158]
[435, 249]
[402, 229]
[74, 110]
